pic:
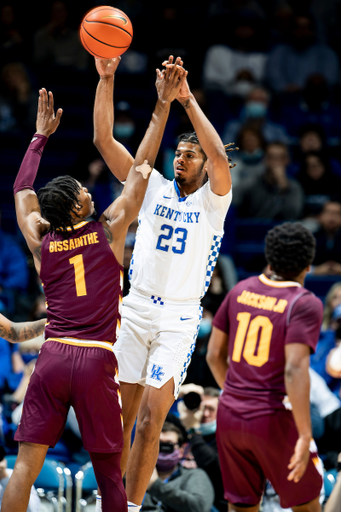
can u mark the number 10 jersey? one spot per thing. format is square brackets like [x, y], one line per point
[178, 240]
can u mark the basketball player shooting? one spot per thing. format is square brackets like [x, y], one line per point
[176, 249]
[267, 328]
[80, 265]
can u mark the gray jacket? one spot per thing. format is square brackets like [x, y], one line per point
[187, 490]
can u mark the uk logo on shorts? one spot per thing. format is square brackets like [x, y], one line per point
[157, 372]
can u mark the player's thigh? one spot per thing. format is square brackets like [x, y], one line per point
[311, 506]
[96, 401]
[274, 438]
[172, 346]
[243, 478]
[132, 346]
[46, 402]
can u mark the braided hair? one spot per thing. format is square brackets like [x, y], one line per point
[193, 139]
[289, 249]
[57, 201]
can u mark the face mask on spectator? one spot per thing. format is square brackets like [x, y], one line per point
[255, 109]
[205, 327]
[242, 88]
[252, 157]
[124, 130]
[208, 428]
[167, 459]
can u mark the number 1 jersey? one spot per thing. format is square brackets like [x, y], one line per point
[261, 316]
[178, 240]
[83, 283]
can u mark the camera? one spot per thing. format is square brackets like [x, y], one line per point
[192, 400]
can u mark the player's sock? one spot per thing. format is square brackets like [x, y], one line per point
[98, 504]
[133, 508]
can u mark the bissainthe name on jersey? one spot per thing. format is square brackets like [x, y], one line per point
[73, 243]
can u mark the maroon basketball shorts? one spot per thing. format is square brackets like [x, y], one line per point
[252, 451]
[78, 376]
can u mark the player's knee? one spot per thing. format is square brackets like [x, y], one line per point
[148, 429]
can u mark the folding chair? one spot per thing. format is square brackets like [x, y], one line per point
[86, 486]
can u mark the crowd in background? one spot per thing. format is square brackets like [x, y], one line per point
[267, 73]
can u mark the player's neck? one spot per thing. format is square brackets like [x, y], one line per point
[299, 279]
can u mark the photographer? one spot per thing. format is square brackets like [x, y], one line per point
[5, 473]
[198, 414]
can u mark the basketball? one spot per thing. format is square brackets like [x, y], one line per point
[106, 32]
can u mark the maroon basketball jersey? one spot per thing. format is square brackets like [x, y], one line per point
[83, 284]
[261, 316]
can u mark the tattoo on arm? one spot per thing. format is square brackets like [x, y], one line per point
[108, 234]
[22, 331]
[185, 104]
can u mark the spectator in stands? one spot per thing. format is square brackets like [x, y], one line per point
[272, 195]
[13, 271]
[11, 366]
[290, 65]
[249, 159]
[318, 182]
[328, 240]
[315, 105]
[200, 424]
[334, 501]
[173, 488]
[333, 362]
[312, 138]
[57, 47]
[18, 103]
[12, 42]
[255, 114]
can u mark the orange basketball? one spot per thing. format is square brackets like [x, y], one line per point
[106, 32]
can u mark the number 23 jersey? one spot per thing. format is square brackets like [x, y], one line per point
[178, 240]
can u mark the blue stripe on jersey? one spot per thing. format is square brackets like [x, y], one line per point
[212, 260]
[178, 192]
[131, 266]
[191, 350]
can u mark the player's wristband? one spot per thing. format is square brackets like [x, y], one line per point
[30, 164]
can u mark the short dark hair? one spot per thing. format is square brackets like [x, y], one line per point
[170, 427]
[211, 391]
[289, 249]
[57, 201]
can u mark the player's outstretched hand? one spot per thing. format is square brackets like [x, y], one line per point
[107, 67]
[299, 461]
[170, 80]
[47, 122]
[184, 92]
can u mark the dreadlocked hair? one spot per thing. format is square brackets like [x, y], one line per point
[289, 249]
[193, 138]
[58, 200]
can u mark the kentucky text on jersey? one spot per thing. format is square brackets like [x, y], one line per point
[262, 301]
[169, 213]
[73, 243]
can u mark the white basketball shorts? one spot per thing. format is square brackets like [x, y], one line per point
[156, 340]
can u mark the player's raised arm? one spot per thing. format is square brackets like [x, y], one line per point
[116, 156]
[29, 218]
[125, 209]
[22, 331]
[218, 168]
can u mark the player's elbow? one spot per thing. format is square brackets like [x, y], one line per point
[293, 370]
[213, 356]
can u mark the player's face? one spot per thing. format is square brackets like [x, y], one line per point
[189, 164]
[85, 200]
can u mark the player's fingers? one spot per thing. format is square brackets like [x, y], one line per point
[59, 115]
[40, 102]
[51, 102]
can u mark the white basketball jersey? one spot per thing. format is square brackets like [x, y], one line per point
[178, 240]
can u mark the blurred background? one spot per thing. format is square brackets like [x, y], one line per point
[266, 73]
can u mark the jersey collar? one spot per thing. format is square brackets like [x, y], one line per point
[177, 190]
[278, 284]
[77, 226]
